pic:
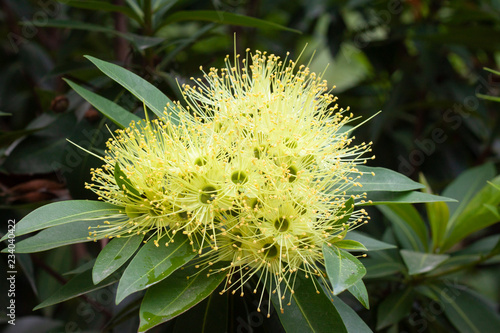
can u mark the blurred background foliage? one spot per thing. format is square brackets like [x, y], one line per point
[421, 62]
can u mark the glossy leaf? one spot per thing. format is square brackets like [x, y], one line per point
[464, 188]
[438, 214]
[467, 311]
[114, 255]
[207, 316]
[342, 268]
[63, 212]
[371, 244]
[112, 111]
[77, 232]
[475, 215]
[154, 263]
[384, 179]
[175, 295]
[418, 262]
[351, 245]
[352, 321]
[224, 18]
[394, 307]
[78, 285]
[408, 226]
[379, 198]
[140, 88]
[309, 311]
[359, 291]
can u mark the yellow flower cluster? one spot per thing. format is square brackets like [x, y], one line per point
[255, 170]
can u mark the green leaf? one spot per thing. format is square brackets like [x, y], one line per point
[310, 310]
[152, 264]
[175, 295]
[343, 269]
[438, 214]
[378, 268]
[78, 285]
[140, 88]
[102, 6]
[418, 262]
[77, 232]
[124, 183]
[467, 311]
[63, 212]
[394, 307]
[207, 316]
[352, 321]
[112, 111]
[384, 180]
[371, 244]
[491, 70]
[475, 215]
[114, 255]
[359, 291]
[488, 97]
[466, 186]
[379, 198]
[348, 244]
[408, 226]
[223, 18]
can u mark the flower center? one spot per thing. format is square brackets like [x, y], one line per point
[292, 171]
[281, 224]
[183, 215]
[239, 177]
[270, 251]
[200, 161]
[208, 194]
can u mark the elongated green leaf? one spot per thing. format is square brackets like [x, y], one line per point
[465, 187]
[379, 198]
[438, 214]
[476, 215]
[467, 311]
[343, 269]
[63, 212]
[418, 262]
[175, 295]
[124, 183]
[207, 316]
[309, 311]
[359, 291]
[223, 18]
[352, 321]
[102, 5]
[383, 263]
[77, 232]
[371, 244]
[140, 88]
[394, 308]
[114, 255]
[78, 285]
[489, 98]
[112, 111]
[381, 179]
[352, 245]
[409, 228]
[153, 264]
